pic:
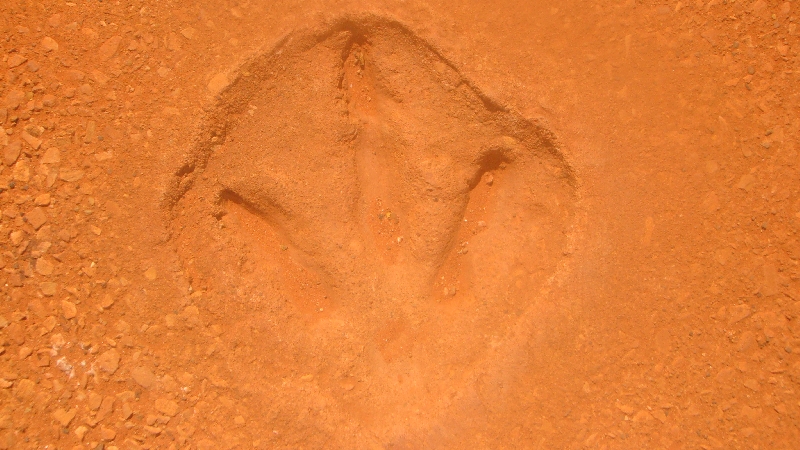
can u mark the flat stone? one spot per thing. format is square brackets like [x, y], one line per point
[109, 361]
[738, 313]
[80, 432]
[22, 171]
[746, 182]
[189, 33]
[167, 407]
[54, 20]
[44, 267]
[24, 352]
[14, 98]
[11, 153]
[49, 44]
[16, 333]
[36, 217]
[91, 132]
[70, 175]
[109, 48]
[625, 408]
[100, 77]
[106, 408]
[752, 385]
[16, 60]
[218, 83]
[69, 309]
[42, 199]
[144, 377]
[25, 389]
[49, 100]
[107, 434]
[51, 156]
[64, 417]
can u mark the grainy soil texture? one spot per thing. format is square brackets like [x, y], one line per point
[400, 224]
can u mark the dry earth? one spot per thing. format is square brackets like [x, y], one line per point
[400, 224]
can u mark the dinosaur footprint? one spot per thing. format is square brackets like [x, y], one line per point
[353, 172]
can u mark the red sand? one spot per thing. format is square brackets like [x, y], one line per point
[399, 225]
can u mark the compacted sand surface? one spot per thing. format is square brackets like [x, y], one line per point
[400, 225]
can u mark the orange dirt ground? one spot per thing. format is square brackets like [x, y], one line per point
[400, 224]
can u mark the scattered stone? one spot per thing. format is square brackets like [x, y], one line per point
[107, 434]
[173, 42]
[127, 412]
[49, 100]
[24, 352]
[51, 156]
[94, 401]
[643, 416]
[54, 20]
[70, 175]
[14, 98]
[106, 408]
[75, 75]
[36, 217]
[42, 199]
[167, 407]
[25, 389]
[143, 376]
[171, 321]
[22, 171]
[625, 408]
[100, 77]
[109, 361]
[34, 130]
[752, 385]
[31, 140]
[107, 301]
[68, 309]
[64, 417]
[109, 48]
[80, 432]
[747, 341]
[746, 182]
[11, 153]
[725, 376]
[44, 267]
[155, 431]
[738, 313]
[49, 44]
[16, 60]
[188, 33]
[49, 323]
[91, 132]
[218, 83]
[151, 274]
[16, 333]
